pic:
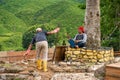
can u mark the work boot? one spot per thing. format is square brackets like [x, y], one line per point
[39, 64]
[45, 66]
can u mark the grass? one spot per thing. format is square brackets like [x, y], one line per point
[17, 16]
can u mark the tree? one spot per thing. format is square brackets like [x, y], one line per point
[110, 23]
[92, 23]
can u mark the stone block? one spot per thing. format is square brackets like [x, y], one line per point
[68, 49]
[68, 52]
[89, 53]
[83, 52]
[99, 56]
[106, 55]
[87, 50]
[80, 56]
[106, 59]
[68, 55]
[102, 52]
[3, 53]
[85, 56]
[95, 53]
[94, 60]
[76, 52]
[73, 59]
[95, 57]
[101, 60]
[73, 56]
[91, 57]
[111, 58]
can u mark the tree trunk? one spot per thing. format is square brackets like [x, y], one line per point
[92, 23]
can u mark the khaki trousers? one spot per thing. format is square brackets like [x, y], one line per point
[42, 50]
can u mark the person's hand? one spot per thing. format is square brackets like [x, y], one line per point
[76, 41]
[57, 30]
[27, 52]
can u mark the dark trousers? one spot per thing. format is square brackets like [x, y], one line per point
[73, 44]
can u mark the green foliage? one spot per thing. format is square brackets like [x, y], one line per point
[12, 42]
[80, 1]
[0, 47]
[22, 15]
[27, 37]
[82, 6]
[10, 22]
[110, 23]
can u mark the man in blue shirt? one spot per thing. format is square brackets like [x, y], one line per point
[41, 47]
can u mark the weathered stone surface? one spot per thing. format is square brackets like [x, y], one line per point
[10, 76]
[56, 68]
[63, 64]
[93, 68]
[24, 72]
[2, 69]
[74, 76]
[3, 76]
[14, 69]
[117, 59]
[36, 74]
[30, 78]
[37, 78]
[3, 53]
[2, 62]
[22, 76]
[28, 71]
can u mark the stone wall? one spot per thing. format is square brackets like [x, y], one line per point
[89, 55]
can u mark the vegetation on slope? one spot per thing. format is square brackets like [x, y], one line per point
[19, 16]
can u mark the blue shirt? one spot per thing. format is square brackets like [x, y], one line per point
[40, 36]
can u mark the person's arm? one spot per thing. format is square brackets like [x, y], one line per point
[28, 50]
[30, 46]
[75, 37]
[84, 38]
[54, 31]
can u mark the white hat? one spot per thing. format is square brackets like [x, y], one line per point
[39, 29]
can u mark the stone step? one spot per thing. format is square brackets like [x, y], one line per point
[113, 71]
[9, 76]
[74, 76]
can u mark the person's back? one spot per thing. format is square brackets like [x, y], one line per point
[41, 43]
[40, 36]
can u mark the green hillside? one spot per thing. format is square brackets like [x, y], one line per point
[17, 16]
